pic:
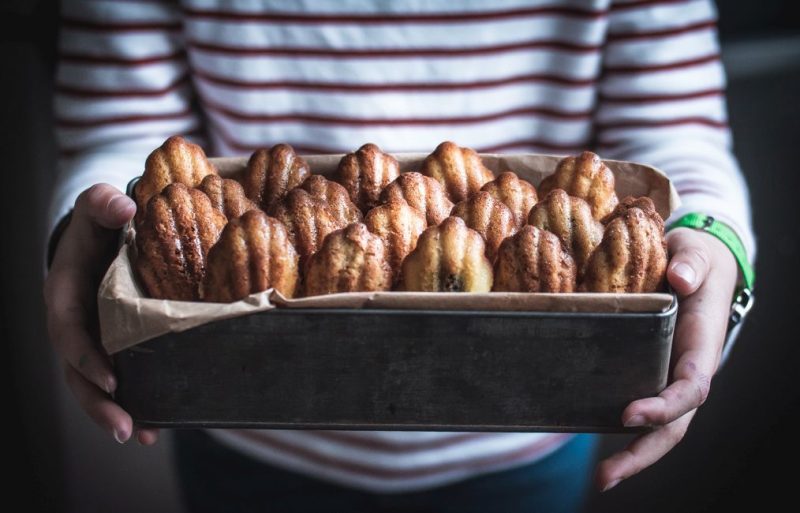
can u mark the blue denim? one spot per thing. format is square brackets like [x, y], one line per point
[215, 478]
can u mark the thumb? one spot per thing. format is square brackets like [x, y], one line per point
[690, 262]
[105, 206]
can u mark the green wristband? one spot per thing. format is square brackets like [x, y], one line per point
[743, 298]
[724, 233]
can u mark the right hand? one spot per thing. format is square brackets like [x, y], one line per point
[84, 252]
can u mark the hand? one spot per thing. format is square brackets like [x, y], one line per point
[703, 273]
[70, 291]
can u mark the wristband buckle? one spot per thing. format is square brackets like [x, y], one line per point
[741, 306]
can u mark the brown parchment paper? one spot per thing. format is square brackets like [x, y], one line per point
[128, 317]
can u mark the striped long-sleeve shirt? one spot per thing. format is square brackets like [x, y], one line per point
[634, 80]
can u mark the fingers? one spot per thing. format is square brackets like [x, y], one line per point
[690, 389]
[147, 436]
[105, 206]
[690, 262]
[699, 332]
[641, 453]
[68, 324]
[99, 406]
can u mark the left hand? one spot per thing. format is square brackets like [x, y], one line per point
[703, 273]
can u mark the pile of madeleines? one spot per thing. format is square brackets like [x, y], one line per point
[452, 226]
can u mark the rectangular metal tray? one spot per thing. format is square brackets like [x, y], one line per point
[400, 370]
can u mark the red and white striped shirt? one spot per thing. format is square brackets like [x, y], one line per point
[635, 80]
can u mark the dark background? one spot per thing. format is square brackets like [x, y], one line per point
[729, 459]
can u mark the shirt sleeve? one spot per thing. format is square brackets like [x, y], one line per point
[662, 102]
[122, 87]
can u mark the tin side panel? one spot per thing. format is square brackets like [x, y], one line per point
[351, 369]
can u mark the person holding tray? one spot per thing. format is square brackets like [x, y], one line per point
[637, 81]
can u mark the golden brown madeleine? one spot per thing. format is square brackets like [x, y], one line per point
[517, 194]
[350, 260]
[571, 219]
[335, 196]
[643, 203]
[421, 192]
[489, 217]
[398, 225]
[226, 195]
[179, 227]
[308, 221]
[365, 172]
[460, 171]
[534, 260]
[448, 258]
[588, 178]
[253, 254]
[272, 173]
[175, 161]
[631, 258]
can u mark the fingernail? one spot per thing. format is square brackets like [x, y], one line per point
[120, 205]
[685, 272]
[119, 436]
[635, 420]
[611, 485]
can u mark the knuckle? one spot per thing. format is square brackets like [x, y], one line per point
[702, 384]
[95, 198]
[696, 255]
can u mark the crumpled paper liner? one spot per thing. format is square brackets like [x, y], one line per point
[128, 317]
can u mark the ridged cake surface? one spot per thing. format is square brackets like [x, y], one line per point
[632, 256]
[489, 217]
[226, 195]
[335, 197]
[364, 174]
[178, 229]
[459, 170]
[588, 178]
[570, 218]
[517, 194]
[350, 260]
[175, 161]
[399, 225]
[534, 260]
[448, 258]
[421, 192]
[272, 173]
[253, 254]
[307, 220]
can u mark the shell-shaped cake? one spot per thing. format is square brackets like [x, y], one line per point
[308, 221]
[517, 194]
[643, 203]
[173, 240]
[489, 217]
[570, 218]
[350, 260]
[253, 254]
[365, 172]
[399, 225]
[448, 258]
[534, 260]
[588, 178]
[272, 173]
[335, 197]
[226, 195]
[459, 170]
[421, 192]
[175, 161]
[631, 258]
